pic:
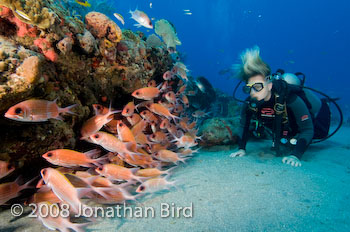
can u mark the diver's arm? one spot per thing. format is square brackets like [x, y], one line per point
[304, 122]
[243, 131]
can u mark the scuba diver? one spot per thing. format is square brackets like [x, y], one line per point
[281, 105]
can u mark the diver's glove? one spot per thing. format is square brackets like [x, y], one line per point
[240, 152]
[292, 160]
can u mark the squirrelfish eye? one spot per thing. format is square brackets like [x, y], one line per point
[142, 188]
[44, 172]
[127, 110]
[98, 107]
[18, 110]
[49, 154]
[137, 93]
[100, 169]
[96, 136]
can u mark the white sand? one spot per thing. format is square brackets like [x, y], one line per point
[252, 193]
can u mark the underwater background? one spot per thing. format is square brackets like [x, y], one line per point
[298, 36]
[257, 192]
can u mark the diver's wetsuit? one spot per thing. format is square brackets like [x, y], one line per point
[299, 122]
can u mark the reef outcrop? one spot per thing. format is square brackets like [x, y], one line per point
[48, 53]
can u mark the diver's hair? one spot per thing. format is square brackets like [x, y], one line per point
[252, 65]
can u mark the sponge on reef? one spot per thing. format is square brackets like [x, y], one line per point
[101, 26]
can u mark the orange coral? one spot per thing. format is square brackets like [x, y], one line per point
[23, 29]
[46, 48]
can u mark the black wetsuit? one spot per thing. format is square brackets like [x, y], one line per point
[299, 122]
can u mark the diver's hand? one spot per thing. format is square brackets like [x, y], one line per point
[292, 160]
[239, 153]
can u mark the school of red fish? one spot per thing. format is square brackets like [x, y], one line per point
[151, 137]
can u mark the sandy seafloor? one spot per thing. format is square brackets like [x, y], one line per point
[252, 193]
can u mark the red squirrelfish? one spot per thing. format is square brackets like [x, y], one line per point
[54, 220]
[116, 172]
[111, 143]
[168, 75]
[134, 119]
[95, 123]
[5, 169]
[70, 158]
[185, 141]
[146, 93]
[149, 116]
[128, 109]
[62, 187]
[158, 137]
[114, 196]
[11, 190]
[169, 156]
[100, 109]
[161, 110]
[170, 97]
[153, 172]
[154, 184]
[37, 111]
[152, 83]
[142, 160]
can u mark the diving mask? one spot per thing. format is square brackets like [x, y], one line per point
[256, 86]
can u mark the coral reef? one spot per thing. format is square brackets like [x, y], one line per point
[153, 41]
[54, 55]
[219, 131]
[21, 72]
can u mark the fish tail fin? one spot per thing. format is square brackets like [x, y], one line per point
[26, 185]
[100, 161]
[90, 154]
[171, 183]
[176, 139]
[168, 172]
[89, 181]
[83, 191]
[132, 155]
[140, 179]
[175, 117]
[67, 109]
[183, 160]
[199, 137]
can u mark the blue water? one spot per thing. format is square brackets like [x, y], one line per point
[307, 36]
